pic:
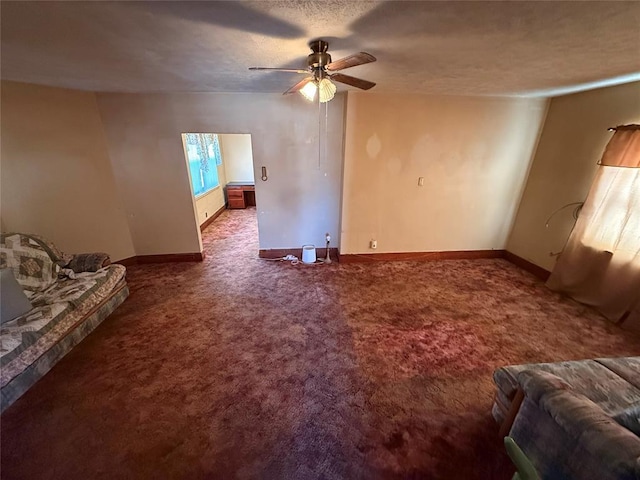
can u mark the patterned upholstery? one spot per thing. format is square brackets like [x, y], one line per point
[627, 368]
[24, 330]
[629, 418]
[566, 435]
[58, 345]
[66, 307]
[579, 419]
[599, 383]
[30, 259]
[51, 309]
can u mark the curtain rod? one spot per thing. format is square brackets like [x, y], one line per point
[632, 126]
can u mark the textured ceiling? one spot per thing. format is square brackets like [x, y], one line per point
[464, 48]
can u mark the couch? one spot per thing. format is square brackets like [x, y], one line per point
[67, 297]
[574, 420]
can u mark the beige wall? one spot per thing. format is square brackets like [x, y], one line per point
[56, 177]
[574, 136]
[209, 203]
[473, 153]
[237, 157]
[297, 205]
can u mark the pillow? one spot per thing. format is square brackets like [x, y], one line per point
[13, 301]
[88, 262]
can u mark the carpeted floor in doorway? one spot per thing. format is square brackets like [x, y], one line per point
[243, 368]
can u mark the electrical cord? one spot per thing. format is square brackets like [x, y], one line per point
[576, 211]
[291, 258]
[287, 258]
[295, 260]
[576, 214]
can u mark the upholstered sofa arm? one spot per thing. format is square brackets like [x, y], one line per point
[597, 433]
[88, 262]
[537, 384]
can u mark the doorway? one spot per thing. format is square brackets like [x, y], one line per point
[221, 173]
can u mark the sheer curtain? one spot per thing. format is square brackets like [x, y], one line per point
[600, 265]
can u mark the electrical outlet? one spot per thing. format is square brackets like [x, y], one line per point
[373, 244]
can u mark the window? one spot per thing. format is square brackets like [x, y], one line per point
[600, 264]
[203, 154]
[615, 224]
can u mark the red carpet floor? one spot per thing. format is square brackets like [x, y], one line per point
[238, 367]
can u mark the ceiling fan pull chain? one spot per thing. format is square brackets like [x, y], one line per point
[326, 131]
[319, 132]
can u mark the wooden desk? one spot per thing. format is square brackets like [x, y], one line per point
[241, 194]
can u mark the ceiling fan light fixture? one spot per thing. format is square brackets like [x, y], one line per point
[327, 90]
[309, 91]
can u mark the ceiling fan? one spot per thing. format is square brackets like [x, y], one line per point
[319, 71]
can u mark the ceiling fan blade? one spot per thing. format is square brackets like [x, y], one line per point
[353, 81]
[351, 61]
[298, 86]
[289, 70]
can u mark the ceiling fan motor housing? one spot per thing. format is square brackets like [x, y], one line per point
[319, 46]
[319, 58]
